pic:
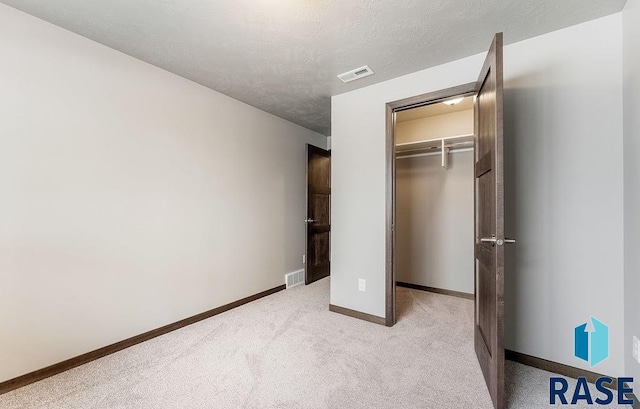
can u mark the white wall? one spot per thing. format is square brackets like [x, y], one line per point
[131, 198]
[631, 41]
[563, 104]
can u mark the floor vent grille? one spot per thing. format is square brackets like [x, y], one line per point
[294, 279]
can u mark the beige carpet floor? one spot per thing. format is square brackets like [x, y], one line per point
[288, 351]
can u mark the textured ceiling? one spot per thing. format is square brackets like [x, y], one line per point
[282, 56]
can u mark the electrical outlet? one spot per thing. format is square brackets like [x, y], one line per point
[362, 284]
[636, 349]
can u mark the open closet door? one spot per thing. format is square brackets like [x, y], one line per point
[489, 229]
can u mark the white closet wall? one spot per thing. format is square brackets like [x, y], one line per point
[434, 244]
[434, 127]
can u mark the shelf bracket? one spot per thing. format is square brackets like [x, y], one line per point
[445, 155]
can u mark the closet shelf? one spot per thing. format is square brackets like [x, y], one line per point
[443, 145]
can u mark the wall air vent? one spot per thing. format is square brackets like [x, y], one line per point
[356, 74]
[294, 279]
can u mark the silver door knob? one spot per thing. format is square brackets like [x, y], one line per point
[309, 220]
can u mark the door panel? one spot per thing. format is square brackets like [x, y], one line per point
[486, 291]
[318, 214]
[318, 249]
[489, 229]
[320, 208]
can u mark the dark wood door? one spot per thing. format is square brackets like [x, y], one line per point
[318, 219]
[489, 224]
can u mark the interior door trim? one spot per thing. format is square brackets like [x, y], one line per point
[390, 175]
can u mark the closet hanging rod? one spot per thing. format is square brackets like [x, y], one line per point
[434, 149]
[434, 141]
[419, 155]
[432, 146]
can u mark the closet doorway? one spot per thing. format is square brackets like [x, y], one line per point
[442, 253]
[434, 197]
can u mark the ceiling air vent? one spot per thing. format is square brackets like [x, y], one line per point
[356, 74]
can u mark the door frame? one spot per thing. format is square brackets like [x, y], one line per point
[390, 163]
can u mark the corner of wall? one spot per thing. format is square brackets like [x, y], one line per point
[631, 143]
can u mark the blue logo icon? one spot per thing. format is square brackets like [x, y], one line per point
[592, 346]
